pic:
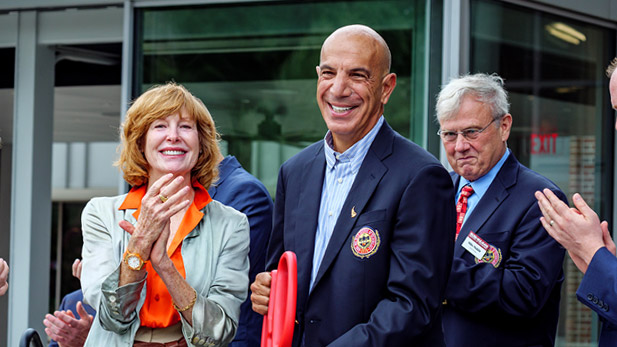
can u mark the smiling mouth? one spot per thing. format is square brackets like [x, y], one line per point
[175, 152]
[340, 109]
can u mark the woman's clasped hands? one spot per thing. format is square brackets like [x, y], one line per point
[150, 236]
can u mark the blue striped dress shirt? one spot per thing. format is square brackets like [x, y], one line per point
[341, 171]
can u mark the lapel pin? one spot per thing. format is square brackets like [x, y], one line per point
[353, 212]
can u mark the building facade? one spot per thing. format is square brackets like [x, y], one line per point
[71, 68]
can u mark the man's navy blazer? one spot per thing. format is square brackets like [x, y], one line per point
[512, 297]
[241, 190]
[598, 290]
[402, 196]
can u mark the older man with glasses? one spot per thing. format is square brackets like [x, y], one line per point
[504, 287]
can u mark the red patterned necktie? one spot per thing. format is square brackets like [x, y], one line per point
[461, 207]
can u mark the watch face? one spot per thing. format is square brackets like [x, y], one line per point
[133, 262]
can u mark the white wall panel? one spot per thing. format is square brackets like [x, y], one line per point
[101, 171]
[8, 29]
[73, 26]
[34, 4]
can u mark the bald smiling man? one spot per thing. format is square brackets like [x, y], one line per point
[368, 213]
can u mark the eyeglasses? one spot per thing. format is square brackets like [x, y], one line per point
[469, 134]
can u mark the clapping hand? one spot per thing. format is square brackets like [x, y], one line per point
[67, 330]
[164, 198]
[4, 276]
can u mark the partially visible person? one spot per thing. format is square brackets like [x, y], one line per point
[165, 263]
[70, 324]
[76, 268]
[241, 190]
[589, 244]
[368, 213]
[505, 282]
[4, 277]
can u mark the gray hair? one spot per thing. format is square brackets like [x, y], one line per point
[484, 88]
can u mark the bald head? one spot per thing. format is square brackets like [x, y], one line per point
[368, 36]
[612, 88]
[354, 83]
[612, 85]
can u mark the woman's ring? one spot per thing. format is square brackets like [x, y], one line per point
[551, 222]
[164, 198]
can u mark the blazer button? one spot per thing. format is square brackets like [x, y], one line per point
[595, 300]
[589, 297]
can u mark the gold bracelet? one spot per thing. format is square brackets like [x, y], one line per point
[187, 306]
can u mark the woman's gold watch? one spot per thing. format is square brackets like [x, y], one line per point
[133, 260]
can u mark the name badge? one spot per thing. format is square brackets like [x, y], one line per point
[475, 245]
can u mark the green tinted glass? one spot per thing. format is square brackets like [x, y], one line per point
[253, 65]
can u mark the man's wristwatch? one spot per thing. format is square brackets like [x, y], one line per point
[133, 260]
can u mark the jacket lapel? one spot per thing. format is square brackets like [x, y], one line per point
[306, 217]
[370, 174]
[494, 196]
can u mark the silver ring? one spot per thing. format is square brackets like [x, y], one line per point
[551, 222]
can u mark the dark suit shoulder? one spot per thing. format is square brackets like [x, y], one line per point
[306, 154]
[70, 300]
[522, 182]
[527, 181]
[535, 180]
[240, 180]
[408, 158]
[420, 155]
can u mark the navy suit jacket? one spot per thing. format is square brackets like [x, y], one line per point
[393, 297]
[517, 302]
[598, 290]
[69, 303]
[241, 190]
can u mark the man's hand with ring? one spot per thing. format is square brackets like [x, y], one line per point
[576, 229]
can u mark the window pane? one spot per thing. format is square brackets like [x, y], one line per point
[253, 65]
[554, 72]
